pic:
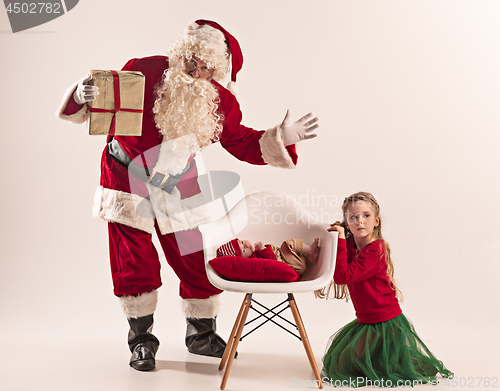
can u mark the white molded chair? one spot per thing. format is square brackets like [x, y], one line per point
[272, 218]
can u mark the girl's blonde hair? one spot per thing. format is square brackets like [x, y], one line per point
[341, 291]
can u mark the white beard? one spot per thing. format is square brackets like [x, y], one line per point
[187, 107]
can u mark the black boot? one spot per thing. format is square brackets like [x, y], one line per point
[202, 339]
[142, 343]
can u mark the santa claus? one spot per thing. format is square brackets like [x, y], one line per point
[185, 110]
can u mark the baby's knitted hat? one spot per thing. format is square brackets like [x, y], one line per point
[231, 248]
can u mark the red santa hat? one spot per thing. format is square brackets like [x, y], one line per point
[231, 248]
[233, 49]
[210, 42]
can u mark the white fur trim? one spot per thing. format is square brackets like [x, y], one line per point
[174, 214]
[207, 33]
[201, 308]
[273, 149]
[233, 87]
[119, 207]
[79, 117]
[172, 161]
[141, 305]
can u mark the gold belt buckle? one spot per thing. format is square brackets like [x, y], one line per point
[165, 177]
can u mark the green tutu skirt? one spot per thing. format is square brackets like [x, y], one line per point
[387, 354]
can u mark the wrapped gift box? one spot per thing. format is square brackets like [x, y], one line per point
[117, 110]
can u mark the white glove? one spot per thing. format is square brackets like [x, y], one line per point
[293, 132]
[85, 93]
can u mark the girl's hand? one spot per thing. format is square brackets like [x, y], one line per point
[337, 226]
[259, 246]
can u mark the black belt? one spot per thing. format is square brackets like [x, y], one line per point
[157, 178]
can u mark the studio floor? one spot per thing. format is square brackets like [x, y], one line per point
[83, 351]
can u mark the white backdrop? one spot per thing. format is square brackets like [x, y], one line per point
[407, 94]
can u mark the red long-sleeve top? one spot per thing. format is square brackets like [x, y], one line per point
[365, 274]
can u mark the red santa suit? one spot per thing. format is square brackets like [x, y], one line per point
[134, 260]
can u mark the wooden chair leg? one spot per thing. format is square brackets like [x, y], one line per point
[230, 341]
[234, 346]
[305, 339]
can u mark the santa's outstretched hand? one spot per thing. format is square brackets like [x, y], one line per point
[85, 93]
[293, 132]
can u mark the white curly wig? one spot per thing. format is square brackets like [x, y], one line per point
[206, 43]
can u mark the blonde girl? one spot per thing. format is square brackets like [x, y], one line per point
[380, 347]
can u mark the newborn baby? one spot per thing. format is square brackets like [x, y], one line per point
[293, 252]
